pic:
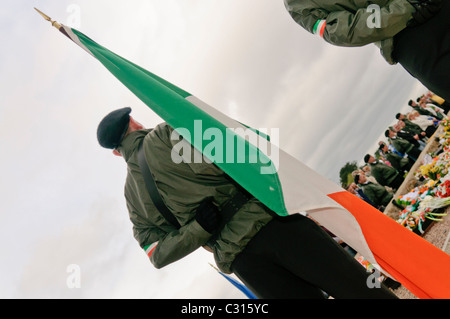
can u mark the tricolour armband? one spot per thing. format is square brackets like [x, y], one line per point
[319, 27]
[150, 248]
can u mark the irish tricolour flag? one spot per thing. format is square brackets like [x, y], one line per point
[284, 184]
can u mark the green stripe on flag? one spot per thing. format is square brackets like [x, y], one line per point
[169, 102]
[111, 57]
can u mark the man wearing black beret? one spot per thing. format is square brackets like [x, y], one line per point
[384, 174]
[113, 127]
[212, 211]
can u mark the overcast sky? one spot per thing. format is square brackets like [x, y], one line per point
[62, 195]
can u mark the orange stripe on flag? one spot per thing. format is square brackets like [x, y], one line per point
[421, 267]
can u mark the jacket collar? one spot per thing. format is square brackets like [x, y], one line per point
[130, 143]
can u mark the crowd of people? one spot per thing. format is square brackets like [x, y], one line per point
[384, 171]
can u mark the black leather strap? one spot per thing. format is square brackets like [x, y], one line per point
[228, 210]
[153, 190]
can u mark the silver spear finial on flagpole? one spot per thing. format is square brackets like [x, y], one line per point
[46, 17]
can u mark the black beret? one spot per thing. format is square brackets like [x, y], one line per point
[113, 127]
[366, 158]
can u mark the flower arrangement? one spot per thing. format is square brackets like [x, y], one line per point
[426, 202]
[430, 171]
[415, 195]
[430, 203]
[423, 203]
[444, 139]
[365, 263]
[443, 190]
[446, 124]
[437, 168]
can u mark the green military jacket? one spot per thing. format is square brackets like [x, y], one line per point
[376, 193]
[183, 186]
[423, 111]
[401, 145]
[410, 126]
[398, 162]
[345, 22]
[383, 173]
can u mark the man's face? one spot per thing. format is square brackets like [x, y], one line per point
[135, 125]
[362, 178]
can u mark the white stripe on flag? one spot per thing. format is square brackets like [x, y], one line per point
[306, 190]
[75, 39]
[303, 188]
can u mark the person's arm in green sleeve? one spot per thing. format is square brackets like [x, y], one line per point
[165, 245]
[347, 28]
[164, 248]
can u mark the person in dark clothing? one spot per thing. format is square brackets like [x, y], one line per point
[273, 269]
[413, 33]
[427, 123]
[403, 146]
[432, 98]
[410, 126]
[401, 164]
[384, 174]
[419, 109]
[424, 51]
[354, 189]
[276, 257]
[403, 130]
[412, 137]
[377, 194]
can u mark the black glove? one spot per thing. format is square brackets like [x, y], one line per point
[207, 216]
[425, 10]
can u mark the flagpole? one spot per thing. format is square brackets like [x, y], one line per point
[46, 17]
[237, 284]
